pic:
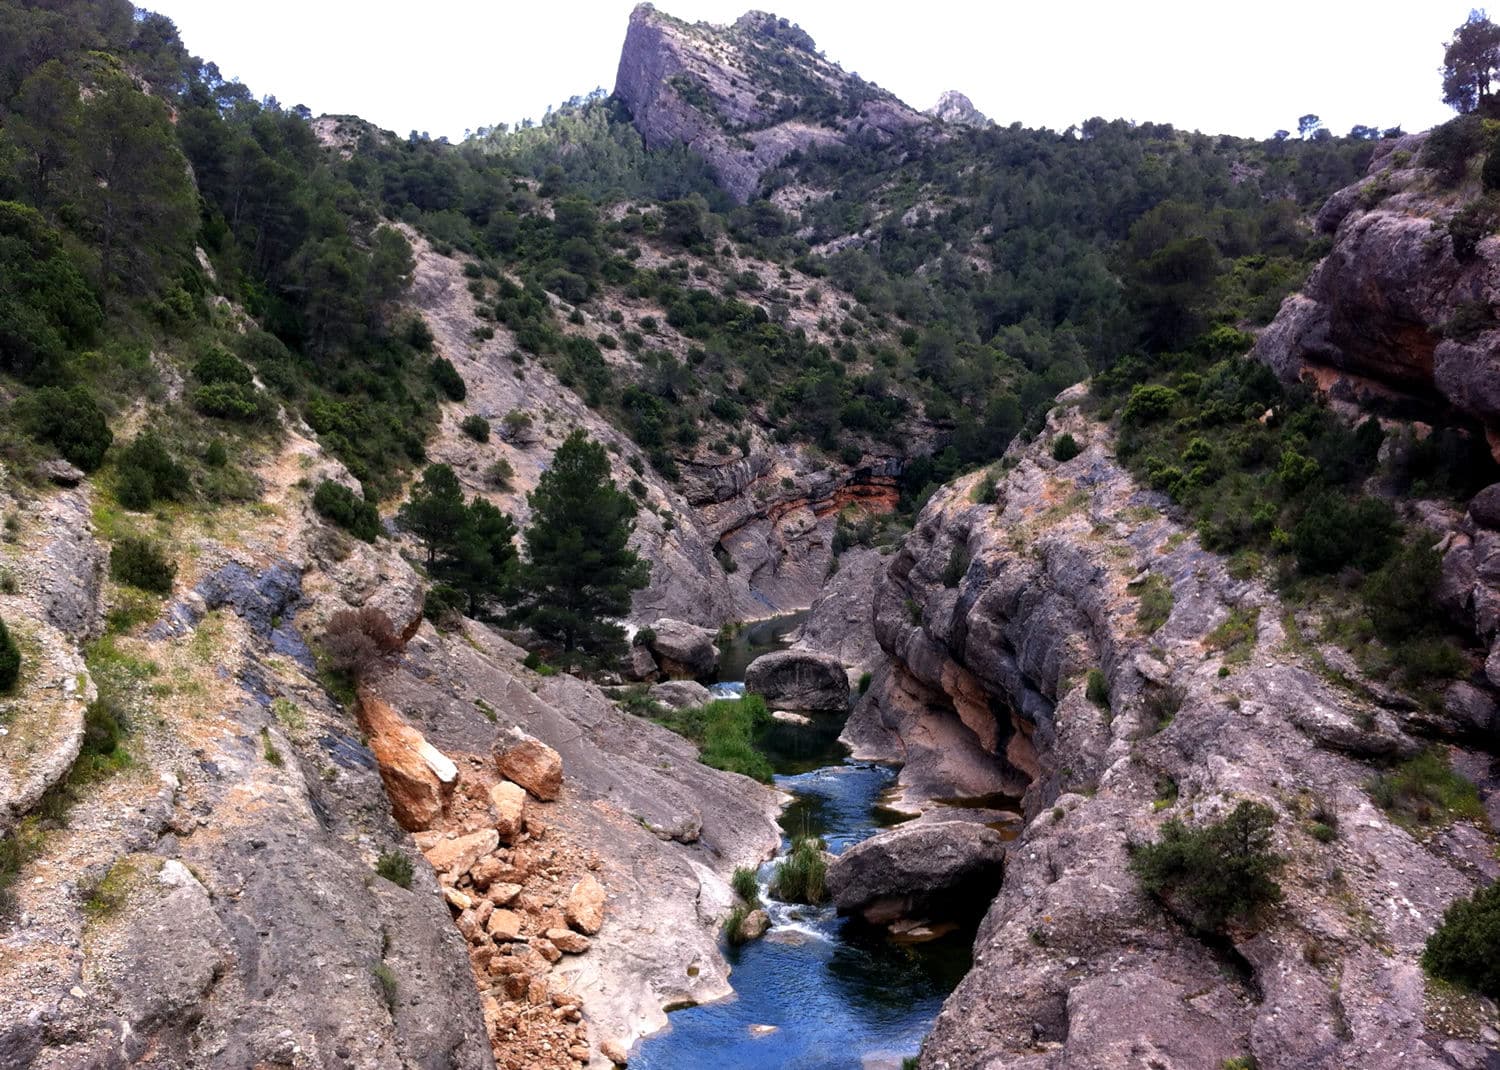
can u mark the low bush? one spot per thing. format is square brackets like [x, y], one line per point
[1098, 688]
[476, 427]
[445, 376]
[67, 419]
[10, 660]
[1220, 871]
[142, 563]
[1065, 447]
[1425, 790]
[801, 877]
[726, 732]
[339, 505]
[1156, 601]
[746, 884]
[357, 642]
[147, 473]
[396, 867]
[1465, 949]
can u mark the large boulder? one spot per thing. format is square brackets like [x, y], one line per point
[419, 778]
[683, 650]
[918, 869]
[681, 694]
[530, 763]
[584, 908]
[799, 680]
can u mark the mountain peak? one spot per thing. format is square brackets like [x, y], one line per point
[954, 107]
[747, 95]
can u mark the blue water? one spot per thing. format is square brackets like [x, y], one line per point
[838, 995]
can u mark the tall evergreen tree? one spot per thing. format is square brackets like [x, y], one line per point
[482, 560]
[580, 570]
[435, 512]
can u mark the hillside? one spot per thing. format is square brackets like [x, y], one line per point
[1062, 439]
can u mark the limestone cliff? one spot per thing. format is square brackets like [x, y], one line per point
[1397, 319]
[1225, 696]
[746, 96]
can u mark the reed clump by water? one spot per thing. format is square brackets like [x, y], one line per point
[746, 885]
[802, 877]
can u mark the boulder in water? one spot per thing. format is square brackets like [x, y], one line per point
[926, 869]
[799, 680]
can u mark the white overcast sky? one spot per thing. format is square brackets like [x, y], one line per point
[445, 66]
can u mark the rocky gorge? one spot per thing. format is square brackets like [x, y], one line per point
[281, 806]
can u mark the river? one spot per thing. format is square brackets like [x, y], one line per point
[818, 992]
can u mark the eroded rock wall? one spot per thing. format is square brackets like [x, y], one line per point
[1074, 967]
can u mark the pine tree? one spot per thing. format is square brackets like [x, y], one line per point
[580, 570]
[436, 511]
[482, 560]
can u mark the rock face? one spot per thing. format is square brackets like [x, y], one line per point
[799, 680]
[954, 107]
[917, 869]
[1369, 327]
[840, 622]
[1073, 965]
[726, 92]
[683, 649]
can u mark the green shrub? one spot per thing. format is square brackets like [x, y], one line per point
[69, 420]
[476, 427]
[1334, 533]
[1097, 689]
[341, 506]
[733, 924]
[227, 387]
[147, 472]
[958, 565]
[1471, 224]
[1465, 949]
[801, 876]
[1449, 147]
[447, 379]
[10, 660]
[386, 979]
[141, 562]
[864, 682]
[1216, 872]
[1065, 447]
[1425, 790]
[1148, 404]
[395, 867]
[1489, 174]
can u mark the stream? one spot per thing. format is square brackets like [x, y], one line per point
[818, 992]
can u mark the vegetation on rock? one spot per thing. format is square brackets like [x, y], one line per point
[1214, 873]
[1465, 948]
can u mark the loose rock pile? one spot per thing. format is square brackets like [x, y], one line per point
[523, 898]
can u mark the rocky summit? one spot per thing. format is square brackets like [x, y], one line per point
[1044, 587]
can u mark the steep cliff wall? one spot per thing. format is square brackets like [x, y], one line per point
[1074, 966]
[1397, 319]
